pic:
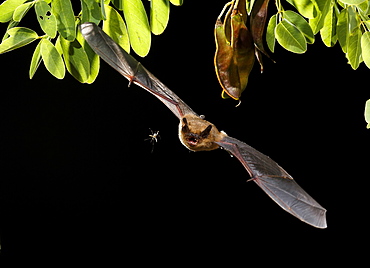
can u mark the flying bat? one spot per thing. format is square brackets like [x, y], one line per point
[197, 134]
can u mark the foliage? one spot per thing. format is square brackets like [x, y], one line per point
[294, 26]
[338, 21]
[343, 22]
[62, 47]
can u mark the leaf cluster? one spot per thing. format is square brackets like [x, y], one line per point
[338, 21]
[61, 45]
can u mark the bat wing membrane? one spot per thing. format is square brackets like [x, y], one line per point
[130, 68]
[276, 183]
[268, 175]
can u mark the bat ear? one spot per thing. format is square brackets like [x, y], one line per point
[204, 134]
[185, 127]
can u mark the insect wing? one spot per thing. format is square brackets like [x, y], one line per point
[276, 182]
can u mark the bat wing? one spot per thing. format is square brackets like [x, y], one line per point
[130, 68]
[276, 182]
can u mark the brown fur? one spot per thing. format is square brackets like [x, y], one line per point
[193, 134]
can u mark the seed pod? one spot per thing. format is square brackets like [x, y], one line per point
[257, 24]
[234, 56]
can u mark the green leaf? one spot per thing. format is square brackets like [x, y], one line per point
[76, 60]
[305, 7]
[342, 29]
[7, 9]
[354, 48]
[270, 33]
[290, 37]
[11, 24]
[299, 22]
[329, 31]
[365, 48]
[36, 60]
[177, 2]
[46, 19]
[159, 15]
[354, 38]
[367, 113]
[52, 59]
[318, 22]
[19, 37]
[353, 21]
[102, 9]
[138, 26]
[21, 11]
[352, 2]
[65, 18]
[91, 11]
[58, 46]
[115, 27]
[94, 59]
[118, 4]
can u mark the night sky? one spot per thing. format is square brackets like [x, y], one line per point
[78, 179]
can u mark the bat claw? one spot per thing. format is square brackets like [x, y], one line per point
[130, 81]
[251, 179]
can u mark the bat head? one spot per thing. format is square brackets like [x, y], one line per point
[197, 134]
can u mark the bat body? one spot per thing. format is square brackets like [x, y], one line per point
[197, 134]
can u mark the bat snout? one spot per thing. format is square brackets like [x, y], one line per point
[192, 139]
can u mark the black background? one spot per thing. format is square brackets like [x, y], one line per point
[78, 181]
